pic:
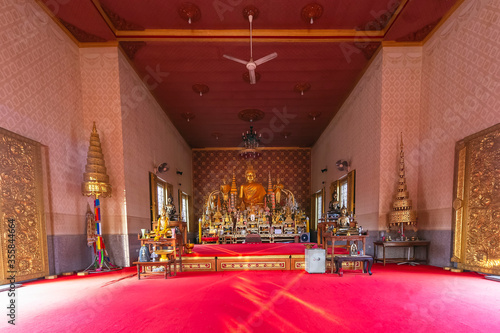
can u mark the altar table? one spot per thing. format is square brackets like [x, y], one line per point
[408, 244]
[176, 243]
[353, 238]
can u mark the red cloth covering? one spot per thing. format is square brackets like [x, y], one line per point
[210, 239]
[253, 249]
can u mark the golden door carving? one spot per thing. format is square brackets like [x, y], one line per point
[22, 200]
[476, 204]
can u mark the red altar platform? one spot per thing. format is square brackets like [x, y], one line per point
[236, 257]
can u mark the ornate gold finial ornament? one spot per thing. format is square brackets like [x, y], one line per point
[95, 179]
[269, 184]
[234, 189]
[402, 207]
[96, 183]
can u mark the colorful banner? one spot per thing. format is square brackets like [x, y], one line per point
[97, 211]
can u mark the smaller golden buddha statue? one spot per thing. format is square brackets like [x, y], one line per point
[334, 206]
[225, 188]
[343, 220]
[288, 216]
[277, 191]
[218, 216]
[163, 227]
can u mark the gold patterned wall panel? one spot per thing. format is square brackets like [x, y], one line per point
[21, 200]
[476, 242]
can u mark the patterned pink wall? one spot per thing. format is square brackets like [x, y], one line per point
[460, 96]
[150, 139]
[401, 84]
[101, 103]
[40, 98]
[212, 167]
[354, 135]
[436, 95]
[51, 92]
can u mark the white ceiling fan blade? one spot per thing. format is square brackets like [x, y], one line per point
[251, 72]
[244, 62]
[266, 58]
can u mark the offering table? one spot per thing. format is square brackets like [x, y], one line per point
[332, 238]
[408, 244]
[177, 244]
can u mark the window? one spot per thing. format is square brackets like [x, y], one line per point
[318, 207]
[343, 193]
[160, 192]
[345, 187]
[184, 208]
[319, 204]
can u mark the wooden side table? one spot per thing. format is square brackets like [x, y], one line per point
[348, 239]
[408, 244]
[367, 263]
[141, 266]
[175, 243]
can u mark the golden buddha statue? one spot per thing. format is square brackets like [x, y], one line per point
[251, 193]
[163, 227]
[225, 188]
[334, 206]
[277, 191]
[343, 220]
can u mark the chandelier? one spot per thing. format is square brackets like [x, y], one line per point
[251, 144]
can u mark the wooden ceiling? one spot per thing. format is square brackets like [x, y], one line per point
[323, 59]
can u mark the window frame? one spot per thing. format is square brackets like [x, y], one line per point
[154, 182]
[349, 180]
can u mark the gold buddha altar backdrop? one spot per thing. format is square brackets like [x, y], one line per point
[212, 166]
[476, 204]
[22, 200]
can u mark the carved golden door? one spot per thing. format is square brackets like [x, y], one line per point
[476, 205]
[22, 200]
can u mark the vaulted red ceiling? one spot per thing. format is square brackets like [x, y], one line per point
[325, 58]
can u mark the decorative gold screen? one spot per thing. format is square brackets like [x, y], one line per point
[476, 205]
[21, 200]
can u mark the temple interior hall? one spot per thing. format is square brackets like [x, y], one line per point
[249, 165]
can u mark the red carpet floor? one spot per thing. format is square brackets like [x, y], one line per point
[393, 299]
[261, 249]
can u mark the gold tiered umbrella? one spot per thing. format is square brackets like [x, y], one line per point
[95, 179]
[96, 183]
[402, 213]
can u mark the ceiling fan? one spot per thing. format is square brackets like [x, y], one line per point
[251, 13]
